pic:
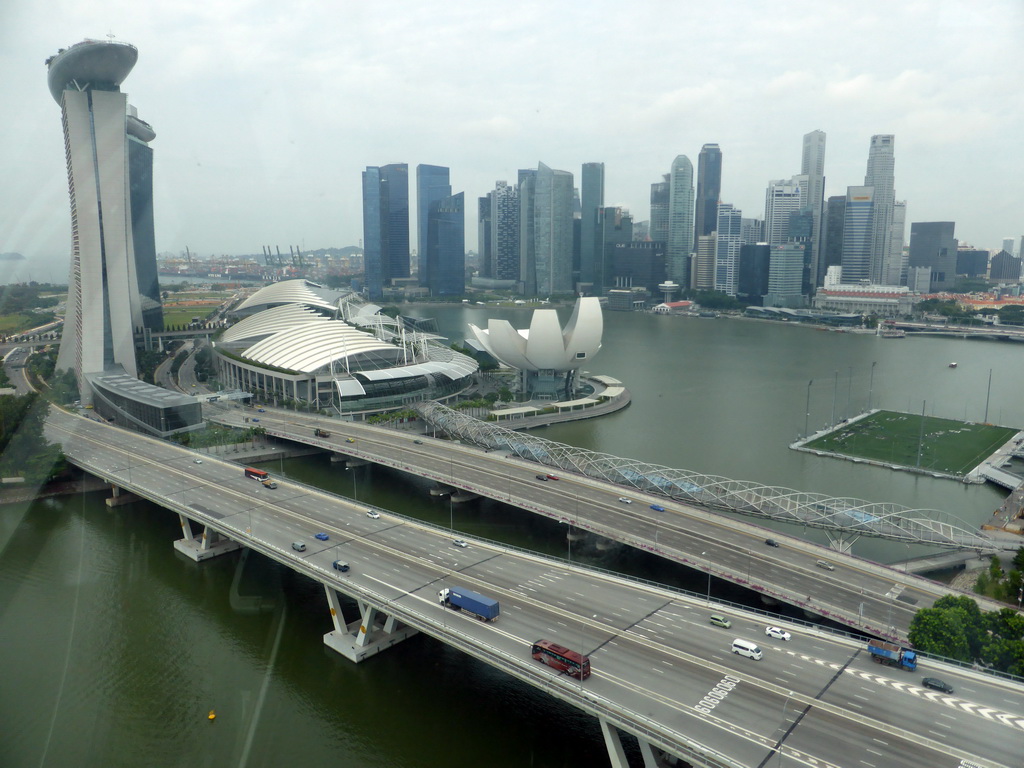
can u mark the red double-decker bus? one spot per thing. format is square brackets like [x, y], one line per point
[256, 474]
[560, 657]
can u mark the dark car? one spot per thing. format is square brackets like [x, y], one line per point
[418, 442]
[938, 685]
[542, 477]
[771, 542]
[340, 565]
[261, 410]
[657, 507]
[322, 536]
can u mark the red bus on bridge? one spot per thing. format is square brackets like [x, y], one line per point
[256, 474]
[562, 658]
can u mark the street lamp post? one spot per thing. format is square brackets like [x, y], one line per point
[708, 599]
[807, 411]
[871, 383]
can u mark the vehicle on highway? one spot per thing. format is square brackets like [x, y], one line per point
[747, 648]
[298, 546]
[719, 620]
[825, 564]
[256, 474]
[657, 507]
[892, 655]
[771, 542]
[260, 410]
[418, 442]
[256, 420]
[371, 513]
[624, 500]
[322, 536]
[197, 461]
[552, 477]
[321, 432]
[559, 657]
[777, 632]
[268, 483]
[462, 599]
[340, 565]
[460, 543]
[349, 440]
[938, 685]
[542, 477]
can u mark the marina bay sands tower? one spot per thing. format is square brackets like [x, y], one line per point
[104, 142]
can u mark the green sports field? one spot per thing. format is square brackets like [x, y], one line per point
[945, 445]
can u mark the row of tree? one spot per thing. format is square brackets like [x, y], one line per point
[957, 628]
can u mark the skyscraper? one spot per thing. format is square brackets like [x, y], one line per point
[545, 231]
[933, 245]
[140, 183]
[709, 189]
[680, 220]
[484, 235]
[858, 235]
[385, 226]
[782, 199]
[615, 228]
[812, 165]
[881, 176]
[446, 246]
[659, 210]
[432, 184]
[591, 203]
[831, 253]
[786, 275]
[103, 305]
[703, 278]
[505, 232]
[727, 248]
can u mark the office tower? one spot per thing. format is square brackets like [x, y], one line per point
[752, 231]
[786, 270]
[659, 210]
[831, 253]
[895, 269]
[971, 262]
[782, 198]
[932, 245]
[881, 176]
[752, 278]
[615, 228]
[638, 264]
[484, 235]
[858, 235]
[1004, 267]
[1008, 245]
[727, 248]
[505, 232]
[545, 231]
[103, 305]
[385, 226]
[680, 219]
[812, 165]
[591, 203]
[140, 183]
[446, 247]
[919, 279]
[642, 230]
[709, 189]
[432, 184]
[703, 278]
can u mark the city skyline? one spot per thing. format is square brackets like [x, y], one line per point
[264, 132]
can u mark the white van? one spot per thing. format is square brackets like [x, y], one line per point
[747, 648]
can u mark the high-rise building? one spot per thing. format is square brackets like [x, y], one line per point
[831, 253]
[615, 228]
[638, 264]
[782, 198]
[752, 231]
[103, 306]
[432, 184]
[591, 203]
[680, 220]
[895, 268]
[385, 226]
[971, 262]
[752, 280]
[932, 245]
[545, 231]
[1004, 267]
[812, 165]
[729, 239]
[659, 210]
[881, 176]
[786, 269]
[1008, 245]
[484, 235]
[709, 189]
[140, 182]
[858, 235]
[703, 276]
[446, 247]
[505, 232]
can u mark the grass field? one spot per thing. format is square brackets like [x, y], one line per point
[945, 445]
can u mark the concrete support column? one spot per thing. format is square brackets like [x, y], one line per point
[613, 743]
[372, 633]
[209, 544]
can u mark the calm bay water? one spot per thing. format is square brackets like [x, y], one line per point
[115, 647]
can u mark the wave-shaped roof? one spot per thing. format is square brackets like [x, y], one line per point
[292, 292]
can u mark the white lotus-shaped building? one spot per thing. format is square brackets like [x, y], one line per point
[547, 355]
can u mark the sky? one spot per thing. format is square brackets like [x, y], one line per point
[266, 112]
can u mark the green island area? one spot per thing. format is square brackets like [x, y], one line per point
[914, 441]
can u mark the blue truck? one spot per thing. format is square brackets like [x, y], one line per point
[892, 655]
[461, 599]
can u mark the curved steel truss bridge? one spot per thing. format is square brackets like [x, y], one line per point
[842, 518]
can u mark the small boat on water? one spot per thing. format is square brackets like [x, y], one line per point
[952, 365]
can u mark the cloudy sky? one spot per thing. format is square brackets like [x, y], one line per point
[266, 111]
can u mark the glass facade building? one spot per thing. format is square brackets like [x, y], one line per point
[446, 246]
[680, 220]
[432, 184]
[858, 235]
[727, 248]
[709, 189]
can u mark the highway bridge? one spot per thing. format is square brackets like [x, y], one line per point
[660, 671]
[858, 593]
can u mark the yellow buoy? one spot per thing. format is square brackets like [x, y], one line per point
[212, 715]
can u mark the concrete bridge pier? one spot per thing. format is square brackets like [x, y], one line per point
[119, 496]
[209, 544]
[370, 634]
[653, 757]
[348, 461]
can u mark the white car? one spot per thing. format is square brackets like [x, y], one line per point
[197, 461]
[624, 500]
[371, 513]
[777, 632]
[460, 543]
